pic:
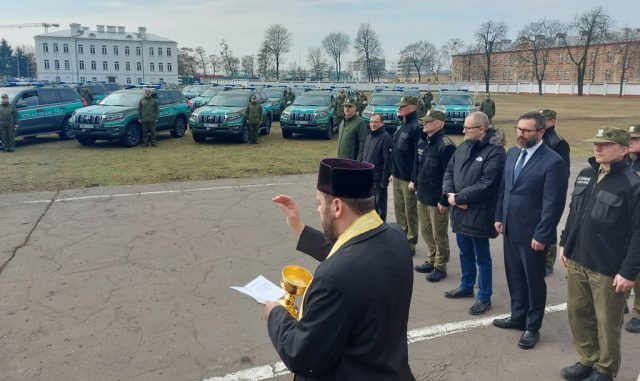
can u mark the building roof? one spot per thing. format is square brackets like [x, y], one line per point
[107, 33]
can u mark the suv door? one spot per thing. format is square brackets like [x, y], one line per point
[167, 110]
[50, 112]
[27, 104]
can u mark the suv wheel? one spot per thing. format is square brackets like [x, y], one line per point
[66, 132]
[132, 136]
[328, 134]
[267, 127]
[244, 134]
[287, 134]
[85, 141]
[179, 129]
[198, 138]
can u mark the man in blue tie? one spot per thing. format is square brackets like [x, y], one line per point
[530, 203]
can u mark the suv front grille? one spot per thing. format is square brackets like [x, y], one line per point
[389, 116]
[302, 116]
[456, 114]
[212, 118]
[89, 119]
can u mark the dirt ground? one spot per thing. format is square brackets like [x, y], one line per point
[132, 283]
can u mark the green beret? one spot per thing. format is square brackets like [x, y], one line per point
[634, 131]
[611, 135]
[549, 114]
[433, 115]
[408, 100]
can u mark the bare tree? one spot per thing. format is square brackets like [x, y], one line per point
[378, 68]
[367, 46]
[419, 55]
[278, 39]
[336, 44]
[228, 61]
[317, 62]
[629, 52]
[214, 61]
[486, 36]
[436, 64]
[534, 43]
[448, 50]
[201, 57]
[264, 60]
[590, 28]
[248, 65]
[187, 64]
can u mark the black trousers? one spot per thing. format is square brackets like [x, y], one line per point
[527, 287]
[380, 194]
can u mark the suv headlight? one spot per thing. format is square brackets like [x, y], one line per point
[441, 108]
[234, 116]
[286, 113]
[112, 117]
[321, 114]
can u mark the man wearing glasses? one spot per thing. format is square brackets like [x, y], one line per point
[471, 183]
[530, 203]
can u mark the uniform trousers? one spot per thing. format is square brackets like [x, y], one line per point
[596, 313]
[149, 132]
[8, 134]
[406, 210]
[253, 132]
[636, 304]
[434, 229]
[551, 251]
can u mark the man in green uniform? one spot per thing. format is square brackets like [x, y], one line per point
[88, 98]
[289, 97]
[600, 248]
[8, 123]
[633, 325]
[488, 106]
[338, 109]
[427, 98]
[253, 116]
[361, 99]
[352, 132]
[149, 114]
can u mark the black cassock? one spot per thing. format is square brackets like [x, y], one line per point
[354, 325]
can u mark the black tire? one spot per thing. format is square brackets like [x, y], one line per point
[180, 128]
[85, 141]
[328, 134]
[66, 132]
[244, 135]
[267, 127]
[198, 138]
[132, 135]
[31, 137]
[287, 134]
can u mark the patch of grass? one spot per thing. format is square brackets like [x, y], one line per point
[47, 163]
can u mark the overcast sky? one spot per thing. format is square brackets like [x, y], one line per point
[243, 22]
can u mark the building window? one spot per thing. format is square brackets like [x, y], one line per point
[81, 65]
[57, 79]
[139, 80]
[116, 66]
[67, 66]
[504, 75]
[46, 64]
[561, 58]
[160, 67]
[93, 65]
[65, 48]
[56, 64]
[159, 51]
[566, 74]
[92, 49]
[94, 79]
[128, 80]
[127, 66]
[115, 50]
[161, 80]
[45, 47]
[152, 66]
[150, 50]
[139, 66]
[55, 48]
[80, 49]
[169, 67]
[609, 56]
[104, 50]
[127, 51]
[138, 51]
[105, 65]
[82, 79]
[510, 75]
[168, 52]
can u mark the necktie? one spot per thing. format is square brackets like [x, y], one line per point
[520, 164]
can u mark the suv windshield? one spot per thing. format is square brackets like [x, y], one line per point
[210, 92]
[122, 99]
[385, 100]
[229, 100]
[446, 99]
[312, 100]
[274, 93]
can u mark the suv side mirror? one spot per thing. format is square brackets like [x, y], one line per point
[21, 104]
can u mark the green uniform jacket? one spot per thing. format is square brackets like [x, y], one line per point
[148, 110]
[488, 107]
[351, 138]
[8, 115]
[253, 113]
[361, 99]
[427, 98]
[289, 97]
[338, 106]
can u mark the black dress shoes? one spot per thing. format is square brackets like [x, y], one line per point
[507, 323]
[528, 339]
[633, 325]
[576, 372]
[424, 268]
[479, 307]
[458, 293]
[597, 376]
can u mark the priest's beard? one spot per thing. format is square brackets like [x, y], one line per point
[329, 225]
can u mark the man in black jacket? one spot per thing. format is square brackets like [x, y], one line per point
[405, 142]
[600, 248]
[353, 323]
[471, 184]
[434, 152]
[377, 151]
[561, 147]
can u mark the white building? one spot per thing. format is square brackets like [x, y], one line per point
[107, 54]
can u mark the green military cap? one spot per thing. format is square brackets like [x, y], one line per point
[549, 114]
[634, 131]
[433, 115]
[611, 135]
[350, 101]
[408, 100]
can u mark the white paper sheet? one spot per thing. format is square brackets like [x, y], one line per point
[261, 290]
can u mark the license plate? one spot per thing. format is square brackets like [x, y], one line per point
[302, 122]
[209, 125]
[85, 126]
[457, 119]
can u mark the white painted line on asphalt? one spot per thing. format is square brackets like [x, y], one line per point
[276, 369]
[148, 193]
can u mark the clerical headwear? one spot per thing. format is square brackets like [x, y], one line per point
[345, 178]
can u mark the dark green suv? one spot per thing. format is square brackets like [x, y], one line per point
[116, 117]
[43, 110]
[310, 113]
[456, 104]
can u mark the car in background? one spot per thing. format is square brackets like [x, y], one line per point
[224, 116]
[456, 104]
[97, 90]
[277, 98]
[204, 97]
[116, 117]
[310, 113]
[43, 110]
[385, 102]
[111, 87]
[193, 91]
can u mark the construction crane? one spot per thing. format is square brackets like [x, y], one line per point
[42, 24]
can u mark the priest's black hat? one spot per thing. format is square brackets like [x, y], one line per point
[345, 178]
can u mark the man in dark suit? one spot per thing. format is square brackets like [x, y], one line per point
[353, 323]
[530, 203]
